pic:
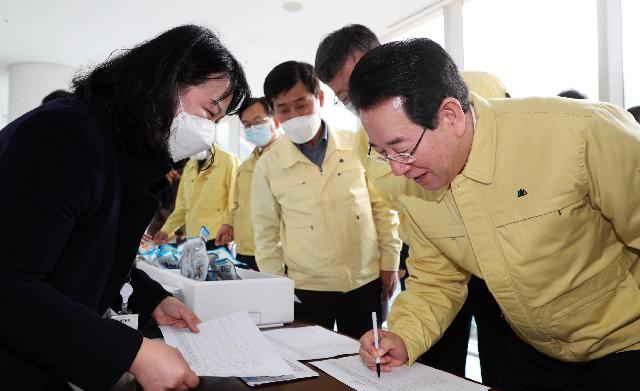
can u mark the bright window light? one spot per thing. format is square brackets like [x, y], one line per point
[630, 52]
[432, 27]
[536, 47]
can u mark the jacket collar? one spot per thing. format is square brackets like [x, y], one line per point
[482, 157]
[292, 155]
[258, 151]
[147, 171]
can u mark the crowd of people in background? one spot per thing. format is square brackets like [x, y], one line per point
[517, 212]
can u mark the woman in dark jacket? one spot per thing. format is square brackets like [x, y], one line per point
[79, 178]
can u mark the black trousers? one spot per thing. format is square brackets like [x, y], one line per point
[250, 260]
[524, 368]
[350, 310]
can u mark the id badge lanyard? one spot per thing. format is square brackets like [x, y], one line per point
[124, 315]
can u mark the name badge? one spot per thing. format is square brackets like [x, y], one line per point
[125, 316]
[130, 320]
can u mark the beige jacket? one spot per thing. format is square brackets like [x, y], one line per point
[240, 215]
[204, 197]
[329, 226]
[547, 212]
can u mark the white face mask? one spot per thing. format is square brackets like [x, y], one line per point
[190, 134]
[201, 155]
[302, 129]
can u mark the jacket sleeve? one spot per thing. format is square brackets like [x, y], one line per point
[266, 224]
[50, 175]
[436, 290]
[612, 162]
[178, 217]
[232, 185]
[386, 220]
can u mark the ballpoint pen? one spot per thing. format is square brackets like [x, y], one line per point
[374, 319]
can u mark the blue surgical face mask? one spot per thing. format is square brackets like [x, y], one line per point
[259, 134]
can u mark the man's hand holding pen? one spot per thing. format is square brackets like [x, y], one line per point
[391, 350]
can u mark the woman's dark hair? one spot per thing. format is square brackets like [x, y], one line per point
[334, 49]
[283, 77]
[57, 94]
[419, 71]
[138, 87]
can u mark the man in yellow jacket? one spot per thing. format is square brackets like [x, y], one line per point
[315, 212]
[205, 194]
[261, 129]
[336, 56]
[537, 196]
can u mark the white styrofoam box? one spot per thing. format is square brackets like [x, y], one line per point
[267, 298]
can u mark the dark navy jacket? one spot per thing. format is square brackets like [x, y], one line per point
[75, 206]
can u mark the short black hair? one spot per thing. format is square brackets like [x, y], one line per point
[635, 111]
[138, 87]
[573, 94]
[284, 76]
[335, 48]
[57, 94]
[419, 71]
[251, 101]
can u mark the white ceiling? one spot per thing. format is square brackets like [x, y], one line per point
[260, 33]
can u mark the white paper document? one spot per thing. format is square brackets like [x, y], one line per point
[311, 343]
[300, 371]
[229, 345]
[352, 372]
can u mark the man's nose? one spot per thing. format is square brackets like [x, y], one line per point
[399, 169]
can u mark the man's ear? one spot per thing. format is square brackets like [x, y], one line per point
[321, 97]
[450, 114]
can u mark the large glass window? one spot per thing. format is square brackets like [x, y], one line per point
[536, 47]
[431, 27]
[630, 52]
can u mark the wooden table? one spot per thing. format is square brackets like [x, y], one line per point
[323, 382]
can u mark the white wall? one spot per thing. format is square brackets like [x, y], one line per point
[29, 82]
[4, 96]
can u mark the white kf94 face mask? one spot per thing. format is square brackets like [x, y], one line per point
[302, 129]
[189, 135]
[200, 155]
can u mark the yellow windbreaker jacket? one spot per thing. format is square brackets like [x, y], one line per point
[240, 215]
[547, 212]
[204, 197]
[329, 226]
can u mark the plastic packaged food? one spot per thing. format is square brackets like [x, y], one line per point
[194, 261]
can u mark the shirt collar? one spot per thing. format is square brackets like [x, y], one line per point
[292, 154]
